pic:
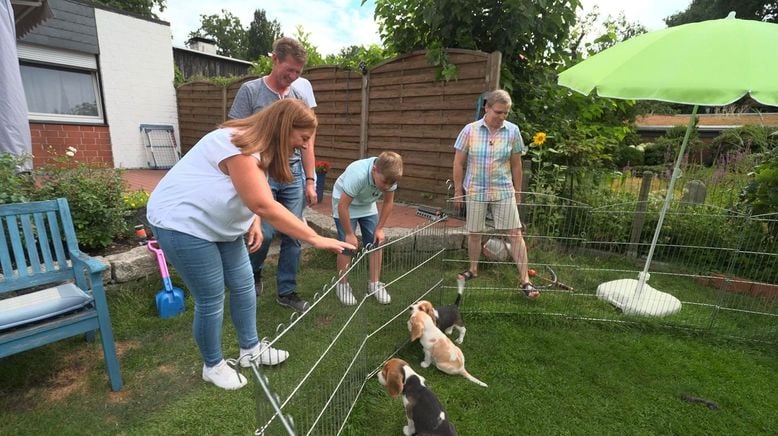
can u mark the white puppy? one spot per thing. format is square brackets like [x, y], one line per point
[438, 348]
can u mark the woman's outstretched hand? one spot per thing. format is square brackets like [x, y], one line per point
[332, 245]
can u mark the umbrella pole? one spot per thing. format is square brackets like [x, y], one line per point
[643, 277]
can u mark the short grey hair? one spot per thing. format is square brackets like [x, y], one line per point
[498, 96]
[285, 46]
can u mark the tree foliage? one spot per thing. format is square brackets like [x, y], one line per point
[314, 57]
[357, 57]
[512, 26]
[702, 10]
[261, 34]
[143, 8]
[537, 41]
[520, 29]
[226, 30]
[614, 30]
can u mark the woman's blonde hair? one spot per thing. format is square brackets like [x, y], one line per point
[268, 132]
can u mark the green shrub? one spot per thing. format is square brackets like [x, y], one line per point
[629, 156]
[136, 199]
[747, 139]
[606, 227]
[654, 153]
[261, 66]
[15, 187]
[178, 76]
[761, 192]
[95, 195]
[665, 148]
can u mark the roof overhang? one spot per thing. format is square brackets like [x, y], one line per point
[28, 14]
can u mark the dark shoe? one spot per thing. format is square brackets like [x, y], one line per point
[293, 301]
[258, 284]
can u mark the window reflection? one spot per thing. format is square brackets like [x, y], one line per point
[60, 91]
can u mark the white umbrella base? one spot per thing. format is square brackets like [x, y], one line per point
[650, 302]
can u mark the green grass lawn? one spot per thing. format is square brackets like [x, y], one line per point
[546, 375]
[582, 378]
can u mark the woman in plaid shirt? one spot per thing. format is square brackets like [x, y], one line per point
[487, 166]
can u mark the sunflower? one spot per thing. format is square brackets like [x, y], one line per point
[539, 138]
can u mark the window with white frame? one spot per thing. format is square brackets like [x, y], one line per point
[60, 86]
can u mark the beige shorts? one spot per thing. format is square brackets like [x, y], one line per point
[504, 212]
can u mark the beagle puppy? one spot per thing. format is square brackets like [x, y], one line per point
[423, 410]
[447, 318]
[438, 348]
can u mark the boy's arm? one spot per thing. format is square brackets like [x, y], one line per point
[383, 216]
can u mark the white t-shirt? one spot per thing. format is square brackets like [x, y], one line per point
[305, 90]
[195, 197]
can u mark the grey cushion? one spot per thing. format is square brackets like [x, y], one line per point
[43, 304]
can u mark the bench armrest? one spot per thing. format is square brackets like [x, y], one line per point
[81, 259]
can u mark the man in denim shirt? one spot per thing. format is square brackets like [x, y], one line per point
[289, 57]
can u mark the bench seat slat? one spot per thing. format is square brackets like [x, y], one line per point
[5, 254]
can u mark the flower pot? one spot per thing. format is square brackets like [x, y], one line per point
[320, 179]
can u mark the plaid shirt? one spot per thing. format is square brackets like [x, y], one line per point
[488, 176]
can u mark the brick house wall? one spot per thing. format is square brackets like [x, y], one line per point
[134, 60]
[93, 143]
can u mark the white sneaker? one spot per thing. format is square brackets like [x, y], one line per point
[270, 356]
[378, 289]
[224, 376]
[343, 291]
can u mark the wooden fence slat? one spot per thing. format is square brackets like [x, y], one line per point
[397, 106]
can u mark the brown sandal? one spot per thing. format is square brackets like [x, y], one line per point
[529, 290]
[466, 275]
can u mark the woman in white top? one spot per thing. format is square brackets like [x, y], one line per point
[208, 201]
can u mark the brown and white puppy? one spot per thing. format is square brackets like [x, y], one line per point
[438, 348]
[446, 318]
[423, 410]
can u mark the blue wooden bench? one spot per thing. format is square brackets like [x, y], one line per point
[49, 289]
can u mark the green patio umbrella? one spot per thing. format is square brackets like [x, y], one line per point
[711, 63]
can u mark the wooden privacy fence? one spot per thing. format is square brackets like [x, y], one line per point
[397, 106]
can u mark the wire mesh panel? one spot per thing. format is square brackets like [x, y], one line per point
[160, 142]
[338, 348]
[722, 266]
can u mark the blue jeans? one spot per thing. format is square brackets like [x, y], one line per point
[292, 196]
[207, 267]
[367, 225]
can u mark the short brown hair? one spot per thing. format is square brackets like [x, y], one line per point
[285, 46]
[268, 132]
[390, 165]
[498, 96]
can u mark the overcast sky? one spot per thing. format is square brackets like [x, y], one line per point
[334, 24]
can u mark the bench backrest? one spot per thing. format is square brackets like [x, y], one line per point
[36, 240]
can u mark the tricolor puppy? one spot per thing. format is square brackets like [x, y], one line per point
[438, 348]
[446, 318]
[423, 410]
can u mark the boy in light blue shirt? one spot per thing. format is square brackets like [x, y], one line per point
[354, 197]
